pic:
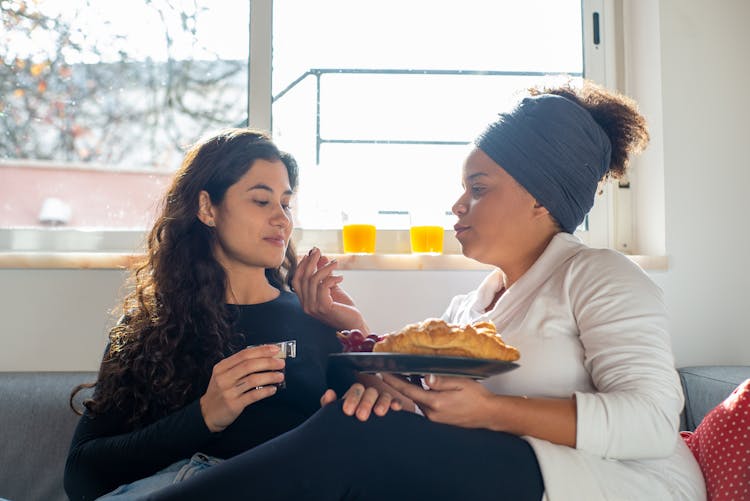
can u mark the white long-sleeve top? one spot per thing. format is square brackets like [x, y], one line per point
[590, 323]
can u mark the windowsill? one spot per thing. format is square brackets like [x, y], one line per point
[393, 262]
[71, 248]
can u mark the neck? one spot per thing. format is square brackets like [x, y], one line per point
[515, 269]
[249, 286]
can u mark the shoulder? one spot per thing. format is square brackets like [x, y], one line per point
[579, 262]
[607, 265]
[607, 282]
[292, 309]
[289, 299]
[285, 302]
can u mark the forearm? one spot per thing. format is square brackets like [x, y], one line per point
[549, 419]
[99, 461]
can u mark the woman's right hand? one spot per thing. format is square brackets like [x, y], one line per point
[239, 380]
[321, 295]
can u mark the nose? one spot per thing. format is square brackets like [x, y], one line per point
[281, 218]
[460, 207]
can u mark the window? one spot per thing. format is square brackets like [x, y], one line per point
[377, 100]
[382, 98]
[99, 100]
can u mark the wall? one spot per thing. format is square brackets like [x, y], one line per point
[706, 104]
[56, 319]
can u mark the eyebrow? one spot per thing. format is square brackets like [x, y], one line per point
[265, 187]
[476, 175]
[472, 177]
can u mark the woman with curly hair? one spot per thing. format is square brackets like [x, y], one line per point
[592, 411]
[179, 387]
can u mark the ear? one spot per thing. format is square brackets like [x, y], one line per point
[205, 209]
[539, 210]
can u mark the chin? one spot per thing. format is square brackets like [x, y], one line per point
[473, 253]
[467, 251]
[270, 262]
[276, 263]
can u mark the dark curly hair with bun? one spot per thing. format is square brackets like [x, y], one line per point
[615, 113]
[176, 326]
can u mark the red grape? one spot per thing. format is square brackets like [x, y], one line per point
[355, 341]
[356, 337]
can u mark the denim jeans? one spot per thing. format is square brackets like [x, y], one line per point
[172, 474]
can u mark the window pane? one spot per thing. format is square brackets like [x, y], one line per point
[378, 99]
[100, 99]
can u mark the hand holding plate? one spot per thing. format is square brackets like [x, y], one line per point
[458, 401]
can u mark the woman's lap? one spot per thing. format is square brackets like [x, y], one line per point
[400, 456]
[172, 474]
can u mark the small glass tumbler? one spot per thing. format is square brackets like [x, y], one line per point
[426, 232]
[287, 349]
[358, 233]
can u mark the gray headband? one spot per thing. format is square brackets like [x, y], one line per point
[554, 149]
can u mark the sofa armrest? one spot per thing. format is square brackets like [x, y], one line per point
[705, 387]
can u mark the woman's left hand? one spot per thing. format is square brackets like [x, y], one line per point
[458, 401]
[361, 402]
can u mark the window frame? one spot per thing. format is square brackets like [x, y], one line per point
[608, 222]
[599, 63]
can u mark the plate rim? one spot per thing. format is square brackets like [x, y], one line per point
[414, 355]
[507, 364]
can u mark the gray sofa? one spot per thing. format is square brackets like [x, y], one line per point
[37, 423]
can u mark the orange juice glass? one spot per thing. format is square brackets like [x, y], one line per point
[426, 239]
[359, 238]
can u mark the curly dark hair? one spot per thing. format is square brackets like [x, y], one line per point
[176, 325]
[615, 113]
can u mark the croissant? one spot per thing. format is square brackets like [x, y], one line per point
[437, 337]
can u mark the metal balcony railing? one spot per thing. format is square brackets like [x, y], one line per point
[318, 72]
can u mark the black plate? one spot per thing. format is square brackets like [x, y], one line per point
[403, 363]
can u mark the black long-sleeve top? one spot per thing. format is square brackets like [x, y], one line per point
[105, 452]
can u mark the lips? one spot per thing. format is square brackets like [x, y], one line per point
[277, 240]
[460, 228]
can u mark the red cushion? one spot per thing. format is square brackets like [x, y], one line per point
[721, 444]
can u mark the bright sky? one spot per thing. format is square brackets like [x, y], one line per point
[221, 28]
[465, 34]
[518, 35]
[434, 34]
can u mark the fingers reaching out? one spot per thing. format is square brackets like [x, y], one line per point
[313, 281]
[320, 293]
[328, 397]
[361, 402]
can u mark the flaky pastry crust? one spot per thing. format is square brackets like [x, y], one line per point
[437, 337]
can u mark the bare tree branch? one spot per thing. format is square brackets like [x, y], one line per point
[127, 111]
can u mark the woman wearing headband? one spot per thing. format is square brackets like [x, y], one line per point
[592, 413]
